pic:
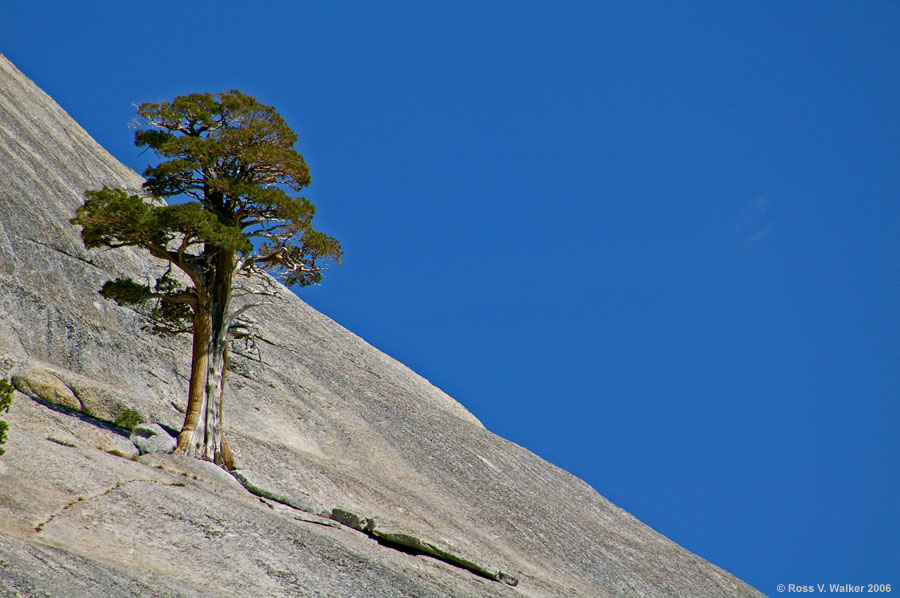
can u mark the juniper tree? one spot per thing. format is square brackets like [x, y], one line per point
[231, 161]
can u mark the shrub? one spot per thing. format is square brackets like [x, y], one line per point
[6, 390]
[128, 419]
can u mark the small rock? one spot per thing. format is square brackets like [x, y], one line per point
[152, 438]
[350, 519]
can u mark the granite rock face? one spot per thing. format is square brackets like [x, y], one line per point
[152, 438]
[355, 476]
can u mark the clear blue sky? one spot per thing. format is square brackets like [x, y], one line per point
[656, 243]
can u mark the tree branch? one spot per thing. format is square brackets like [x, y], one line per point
[282, 257]
[176, 258]
[243, 309]
[186, 298]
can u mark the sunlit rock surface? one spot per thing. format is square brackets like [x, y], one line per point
[355, 476]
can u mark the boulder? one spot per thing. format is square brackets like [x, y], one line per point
[44, 386]
[152, 438]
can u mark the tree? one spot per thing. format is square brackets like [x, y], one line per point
[232, 163]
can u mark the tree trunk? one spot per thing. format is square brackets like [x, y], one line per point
[203, 435]
[188, 442]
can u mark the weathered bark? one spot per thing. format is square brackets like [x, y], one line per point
[202, 434]
[202, 334]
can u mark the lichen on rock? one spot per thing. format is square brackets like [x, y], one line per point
[43, 385]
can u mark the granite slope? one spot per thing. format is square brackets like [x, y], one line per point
[355, 476]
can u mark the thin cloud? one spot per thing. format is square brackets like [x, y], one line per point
[754, 222]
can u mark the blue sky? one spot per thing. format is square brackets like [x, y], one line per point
[656, 243]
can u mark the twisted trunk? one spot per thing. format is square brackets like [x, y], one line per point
[202, 434]
[196, 405]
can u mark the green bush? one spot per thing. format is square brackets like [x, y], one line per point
[128, 419]
[6, 391]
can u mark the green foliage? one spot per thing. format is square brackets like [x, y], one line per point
[235, 159]
[168, 317]
[222, 133]
[6, 390]
[125, 291]
[128, 419]
[165, 317]
[315, 246]
[230, 166]
[115, 218]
